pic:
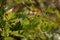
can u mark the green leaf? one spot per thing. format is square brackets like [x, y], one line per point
[9, 38]
[16, 33]
[11, 16]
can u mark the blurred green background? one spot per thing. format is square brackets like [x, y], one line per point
[29, 19]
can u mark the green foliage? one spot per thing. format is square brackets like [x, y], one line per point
[8, 38]
[29, 22]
